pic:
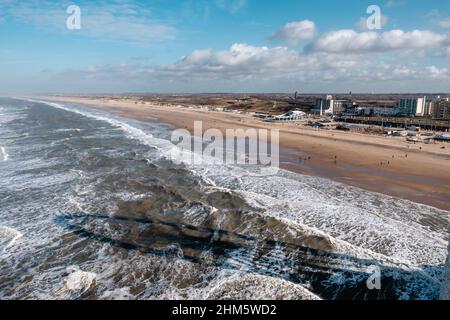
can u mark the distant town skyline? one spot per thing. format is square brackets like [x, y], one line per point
[236, 46]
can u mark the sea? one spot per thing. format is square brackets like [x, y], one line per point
[93, 207]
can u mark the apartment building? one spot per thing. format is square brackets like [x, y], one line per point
[413, 107]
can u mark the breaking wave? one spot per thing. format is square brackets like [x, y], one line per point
[3, 155]
[8, 236]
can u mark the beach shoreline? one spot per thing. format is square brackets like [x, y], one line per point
[387, 165]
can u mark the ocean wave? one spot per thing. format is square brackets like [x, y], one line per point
[3, 155]
[257, 287]
[325, 215]
[68, 130]
[8, 236]
[76, 283]
[146, 138]
[410, 233]
[166, 148]
[8, 116]
[370, 221]
[79, 280]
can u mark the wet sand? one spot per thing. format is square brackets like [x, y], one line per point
[387, 165]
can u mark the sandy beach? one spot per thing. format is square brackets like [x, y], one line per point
[388, 165]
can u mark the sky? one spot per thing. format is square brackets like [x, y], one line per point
[199, 46]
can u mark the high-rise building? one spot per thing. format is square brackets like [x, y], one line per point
[413, 107]
[441, 109]
[421, 110]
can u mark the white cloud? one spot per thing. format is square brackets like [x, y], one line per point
[446, 52]
[339, 59]
[437, 73]
[252, 65]
[442, 53]
[445, 23]
[242, 62]
[245, 68]
[294, 32]
[122, 20]
[351, 41]
[437, 18]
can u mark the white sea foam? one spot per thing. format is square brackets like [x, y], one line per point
[10, 116]
[165, 147]
[117, 294]
[132, 132]
[3, 155]
[370, 221]
[79, 281]
[256, 287]
[74, 285]
[68, 130]
[9, 236]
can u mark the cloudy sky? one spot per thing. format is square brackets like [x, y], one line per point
[224, 46]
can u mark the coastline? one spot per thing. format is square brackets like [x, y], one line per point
[420, 173]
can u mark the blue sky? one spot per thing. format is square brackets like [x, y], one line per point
[224, 46]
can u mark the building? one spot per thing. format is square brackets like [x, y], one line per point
[421, 109]
[380, 111]
[384, 111]
[413, 107]
[322, 105]
[329, 106]
[440, 109]
[340, 106]
[428, 107]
